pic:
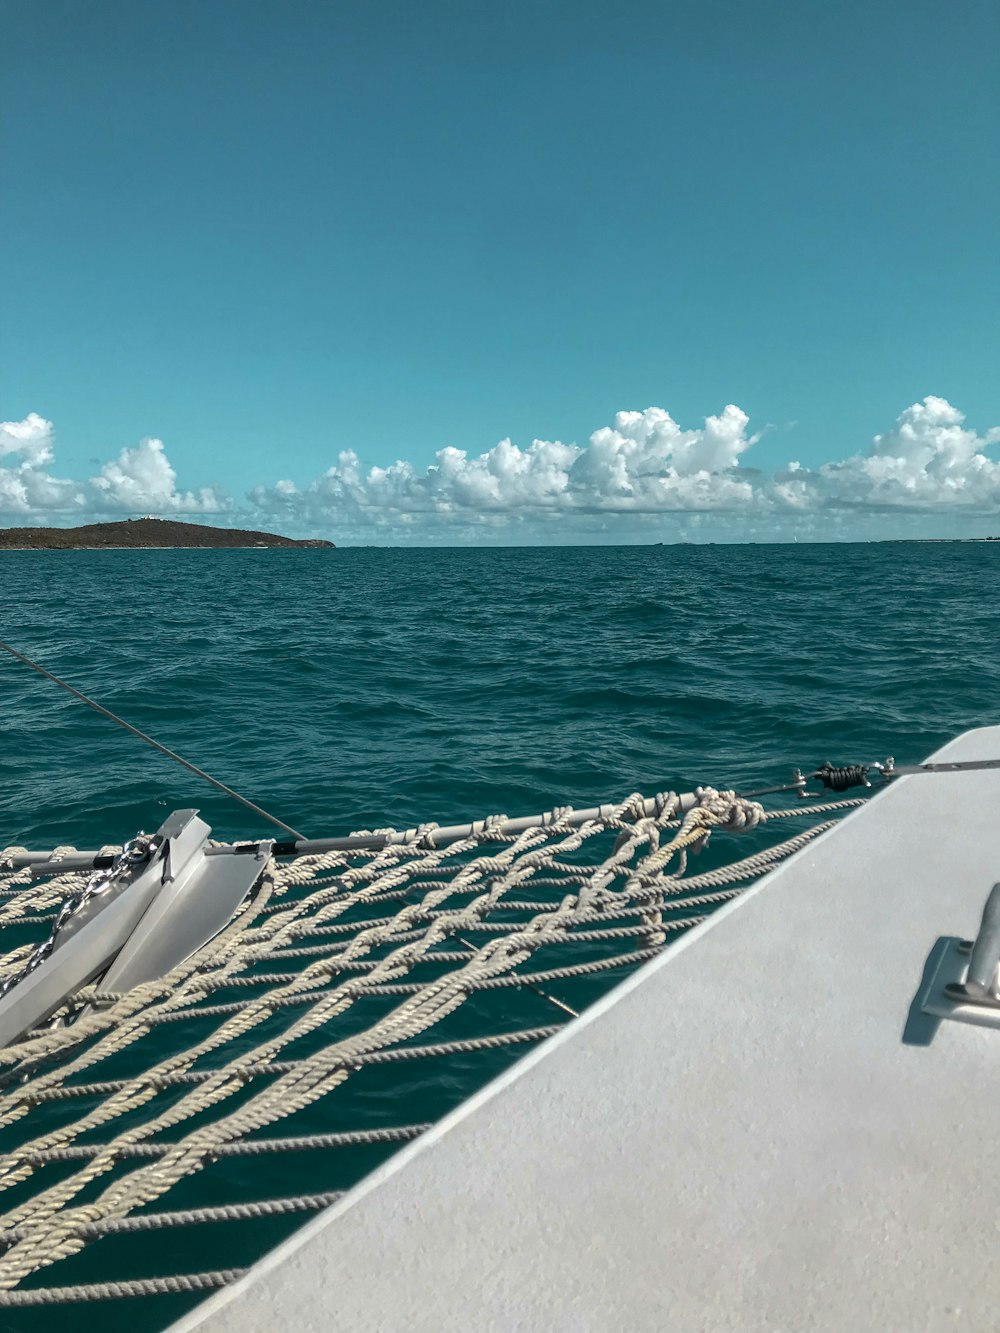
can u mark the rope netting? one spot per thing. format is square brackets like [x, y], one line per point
[333, 972]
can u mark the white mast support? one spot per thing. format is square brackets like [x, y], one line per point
[142, 923]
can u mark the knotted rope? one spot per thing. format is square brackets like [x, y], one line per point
[214, 1074]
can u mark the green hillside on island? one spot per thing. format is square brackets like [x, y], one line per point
[135, 533]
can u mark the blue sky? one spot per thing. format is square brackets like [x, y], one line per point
[280, 239]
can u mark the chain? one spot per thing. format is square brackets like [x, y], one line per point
[135, 852]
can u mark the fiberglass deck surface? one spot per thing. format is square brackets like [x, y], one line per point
[737, 1138]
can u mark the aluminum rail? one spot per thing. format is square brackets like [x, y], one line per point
[42, 863]
[457, 832]
[982, 975]
[913, 770]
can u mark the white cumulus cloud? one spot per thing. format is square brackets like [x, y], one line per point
[26, 485]
[139, 480]
[928, 460]
[644, 463]
[143, 479]
[30, 438]
[643, 468]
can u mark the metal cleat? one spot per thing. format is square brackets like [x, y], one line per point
[963, 981]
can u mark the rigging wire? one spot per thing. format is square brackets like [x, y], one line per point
[171, 754]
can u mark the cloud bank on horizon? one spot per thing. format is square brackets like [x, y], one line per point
[139, 479]
[641, 474]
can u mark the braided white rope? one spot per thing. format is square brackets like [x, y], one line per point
[446, 893]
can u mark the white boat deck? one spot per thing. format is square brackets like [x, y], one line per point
[740, 1137]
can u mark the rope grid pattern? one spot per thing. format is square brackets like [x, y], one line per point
[193, 1066]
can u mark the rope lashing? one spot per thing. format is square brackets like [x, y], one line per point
[245, 1147]
[180, 1217]
[727, 810]
[842, 778]
[112, 1291]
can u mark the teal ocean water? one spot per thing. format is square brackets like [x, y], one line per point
[366, 687]
[358, 688]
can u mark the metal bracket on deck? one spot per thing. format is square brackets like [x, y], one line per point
[148, 915]
[965, 982]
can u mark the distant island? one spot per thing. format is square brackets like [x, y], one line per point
[135, 533]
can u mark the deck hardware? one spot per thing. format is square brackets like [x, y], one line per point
[160, 901]
[800, 782]
[963, 980]
[982, 980]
